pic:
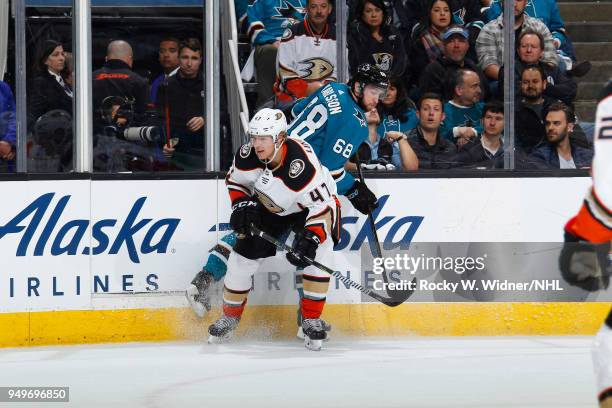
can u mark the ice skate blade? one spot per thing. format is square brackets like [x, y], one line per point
[314, 345]
[226, 338]
[300, 334]
[197, 307]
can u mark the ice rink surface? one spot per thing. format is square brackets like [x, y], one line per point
[403, 372]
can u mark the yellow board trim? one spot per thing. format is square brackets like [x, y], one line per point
[266, 322]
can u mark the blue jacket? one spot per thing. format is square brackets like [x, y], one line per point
[548, 154]
[8, 131]
[268, 19]
[546, 11]
[335, 125]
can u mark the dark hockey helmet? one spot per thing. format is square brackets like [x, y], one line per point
[371, 74]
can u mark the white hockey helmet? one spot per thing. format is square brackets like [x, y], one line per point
[268, 122]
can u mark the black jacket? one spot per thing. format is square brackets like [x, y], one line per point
[477, 156]
[185, 100]
[439, 156]
[558, 84]
[390, 55]
[46, 94]
[529, 129]
[116, 78]
[437, 77]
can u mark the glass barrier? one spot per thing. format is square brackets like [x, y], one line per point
[446, 107]
[50, 92]
[148, 88]
[8, 129]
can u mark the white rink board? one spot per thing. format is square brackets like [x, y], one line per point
[444, 210]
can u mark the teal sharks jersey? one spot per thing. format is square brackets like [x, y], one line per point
[334, 125]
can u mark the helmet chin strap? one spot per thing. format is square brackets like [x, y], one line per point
[276, 150]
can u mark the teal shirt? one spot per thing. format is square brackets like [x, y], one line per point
[456, 115]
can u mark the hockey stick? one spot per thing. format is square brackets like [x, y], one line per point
[391, 301]
[373, 228]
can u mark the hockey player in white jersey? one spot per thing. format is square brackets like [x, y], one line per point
[277, 184]
[585, 260]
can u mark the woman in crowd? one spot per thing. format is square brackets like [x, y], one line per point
[50, 108]
[426, 44]
[48, 90]
[385, 148]
[372, 40]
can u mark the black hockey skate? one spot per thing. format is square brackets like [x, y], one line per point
[198, 293]
[300, 332]
[314, 334]
[222, 330]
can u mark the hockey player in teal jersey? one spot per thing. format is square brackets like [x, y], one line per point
[333, 121]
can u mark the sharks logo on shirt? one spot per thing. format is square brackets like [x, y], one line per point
[290, 12]
[360, 117]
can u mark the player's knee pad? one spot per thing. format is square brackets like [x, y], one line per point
[239, 272]
[324, 256]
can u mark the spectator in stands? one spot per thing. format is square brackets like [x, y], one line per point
[462, 114]
[371, 40]
[397, 111]
[426, 44]
[488, 151]
[432, 150]
[436, 76]
[547, 11]
[117, 79]
[8, 134]
[530, 49]
[169, 61]
[181, 103]
[529, 124]
[490, 42]
[306, 55]
[389, 152]
[48, 90]
[561, 152]
[465, 13]
[268, 20]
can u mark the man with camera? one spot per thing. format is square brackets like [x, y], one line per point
[124, 137]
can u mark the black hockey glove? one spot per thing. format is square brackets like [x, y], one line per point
[585, 264]
[362, 198]
[305, 244]
[245, 211]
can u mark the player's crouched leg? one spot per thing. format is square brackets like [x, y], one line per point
[300, 289]
[315, 284]
[602, 361]
[237, 284]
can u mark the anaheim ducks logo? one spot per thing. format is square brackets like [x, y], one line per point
[245, 150]
[383, 60]
[296, 168]
[316, 68]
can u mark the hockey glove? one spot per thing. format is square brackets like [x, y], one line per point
[245, 211]
[585, 264]
[305, 244]
[362, 198]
